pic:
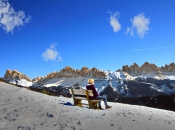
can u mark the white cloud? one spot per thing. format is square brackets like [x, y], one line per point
[140, 25]
[130, 30]
[9, 18]
[51, 54]
[114, 21]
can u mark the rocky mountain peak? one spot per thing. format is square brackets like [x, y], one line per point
[84, 69]
[168, 68]
[14, 74]
[68, 69]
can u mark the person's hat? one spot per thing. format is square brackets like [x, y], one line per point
[90, 81]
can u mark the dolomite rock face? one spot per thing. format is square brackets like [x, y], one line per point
[14, 74]
[39, 78]
[168, 68]
[147, 68]
[69, 72]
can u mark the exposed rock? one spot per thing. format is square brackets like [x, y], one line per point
[146, 68]
[39, 78]
[95, 73]
[69, 72]
[168, 68]
[135, 70]
[142, 89]
[112, 95]
[9, 75]
[149, 68]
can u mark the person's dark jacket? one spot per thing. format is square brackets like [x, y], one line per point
[92, 87]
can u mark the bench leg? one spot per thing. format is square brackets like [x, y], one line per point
[93, 105]
[77, 102]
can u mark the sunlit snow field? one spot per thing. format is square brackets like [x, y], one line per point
[24, 109]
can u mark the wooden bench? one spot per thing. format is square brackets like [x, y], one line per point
[77, 98]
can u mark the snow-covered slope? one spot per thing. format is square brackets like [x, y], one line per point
[21, 82]
[115, 78]
[22, 109]
[119, 81]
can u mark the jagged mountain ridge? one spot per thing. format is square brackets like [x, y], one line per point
[146, 68]
[133, 70]
[123, 83]
[69, 72]
[130, 72]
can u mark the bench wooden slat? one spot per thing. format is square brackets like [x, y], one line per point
[82, 98]
[96, 100]
[81, 92]
[78, 91]
[90, 93]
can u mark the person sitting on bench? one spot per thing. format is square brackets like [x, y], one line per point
[90, 86]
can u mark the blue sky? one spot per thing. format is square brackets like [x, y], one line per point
[38, 37]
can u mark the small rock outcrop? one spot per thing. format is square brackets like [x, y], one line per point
[14, 74]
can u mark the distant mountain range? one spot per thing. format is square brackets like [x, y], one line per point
[130, 81]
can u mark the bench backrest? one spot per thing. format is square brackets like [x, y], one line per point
[82, 92]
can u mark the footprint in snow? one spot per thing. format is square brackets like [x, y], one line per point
[166, 121]
[23, 128]
[49, 115]
[103, 114]
[79, 123]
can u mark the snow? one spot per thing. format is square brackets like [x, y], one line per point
[21, 82]
[172, 77]
[162, 75]
[163, 88]
[66, 81]
[25, 83]
[100, 84]
[12, 82]
[24, 109]
[157, 88]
